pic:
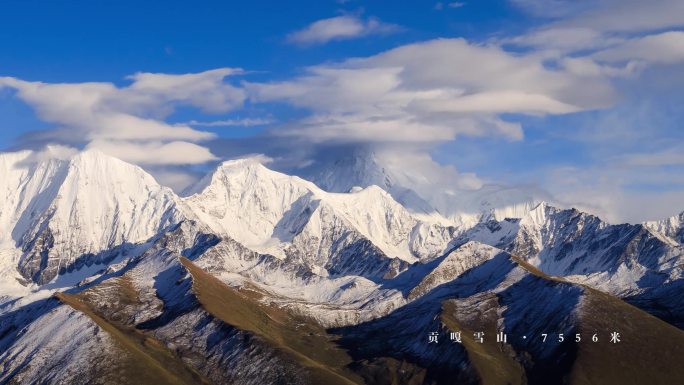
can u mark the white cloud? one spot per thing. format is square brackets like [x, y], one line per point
[246, 122]
[415, 168]
[340, 28]
[671, 156]
[498, 102]
[627, 15]
[205, 90]
[604, 189]
[625, 29]
[51, 151]
[402, 128]
[459, 65]
[664, 48]
[562, 39]
[154, 153]
[550, 8]
[609, 15]
[431, 92]
[610, 54]
[128, 121]
[454, 4]
[176, 179]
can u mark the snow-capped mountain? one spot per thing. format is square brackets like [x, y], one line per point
[272, 212]
[624, 260]
[672, 227]
[256, 276]
[59, 215]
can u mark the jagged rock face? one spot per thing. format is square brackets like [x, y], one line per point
[631, 261]
[672, 227]
[569, 242]
[454, 264]
[36, 263]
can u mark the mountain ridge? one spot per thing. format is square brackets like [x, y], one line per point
[349, 263]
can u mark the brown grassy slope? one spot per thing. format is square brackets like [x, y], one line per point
[494, 362]
[651, 351]
[302, 339]
[116, 299]
[146, 361]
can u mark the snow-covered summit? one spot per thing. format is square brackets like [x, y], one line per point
[619, 259]
[672, 227]
[58, 213]
[265, 210]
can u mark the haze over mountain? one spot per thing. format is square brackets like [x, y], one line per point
[454, 198]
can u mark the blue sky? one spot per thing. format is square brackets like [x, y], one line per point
[106, 40]
[579, 98]
[83, 41]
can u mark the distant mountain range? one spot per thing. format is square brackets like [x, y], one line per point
[257, 277]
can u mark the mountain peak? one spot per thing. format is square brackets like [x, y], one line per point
[102, 201]
[265, 209]
[243, 170]
[538, 214]
[249, 162]
[92, 154]
[360, 167]
[672, 227]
